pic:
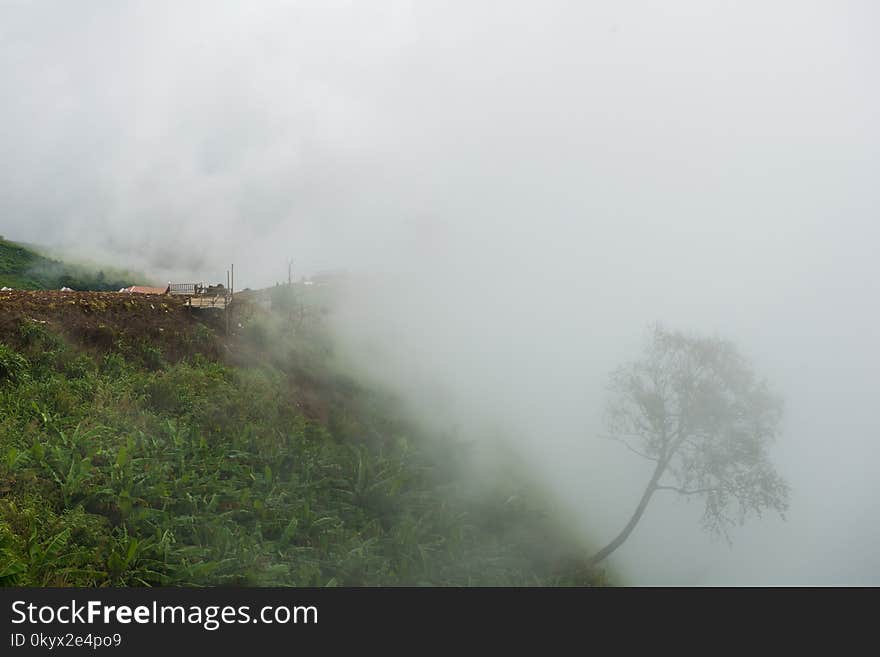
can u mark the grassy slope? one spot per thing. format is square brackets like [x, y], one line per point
[23, 268]
[139, 447]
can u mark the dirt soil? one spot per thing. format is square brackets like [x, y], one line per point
[99, 319]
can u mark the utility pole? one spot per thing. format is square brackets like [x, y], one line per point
[226, 302]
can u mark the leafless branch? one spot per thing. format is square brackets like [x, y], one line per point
[684, 491]
[629, 447]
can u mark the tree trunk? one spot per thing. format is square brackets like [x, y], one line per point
[633, 521]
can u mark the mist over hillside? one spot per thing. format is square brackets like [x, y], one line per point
[24, 267]
[518, 191]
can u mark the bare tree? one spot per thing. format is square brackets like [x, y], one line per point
[694, 407]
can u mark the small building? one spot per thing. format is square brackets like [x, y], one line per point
[144, 289]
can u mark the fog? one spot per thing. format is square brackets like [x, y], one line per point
[522, 188]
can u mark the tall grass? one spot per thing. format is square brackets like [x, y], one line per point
[125, 469]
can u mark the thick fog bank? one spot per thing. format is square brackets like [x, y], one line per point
[524, 187]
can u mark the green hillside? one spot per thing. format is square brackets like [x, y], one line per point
[23, 268]
[140, 446]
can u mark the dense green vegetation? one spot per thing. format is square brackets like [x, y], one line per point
[136, 465]
[22, 268]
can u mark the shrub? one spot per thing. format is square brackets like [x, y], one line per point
[13, 366]
[151, 356]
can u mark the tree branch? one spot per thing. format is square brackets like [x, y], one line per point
[684, 491]
[629, 447]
